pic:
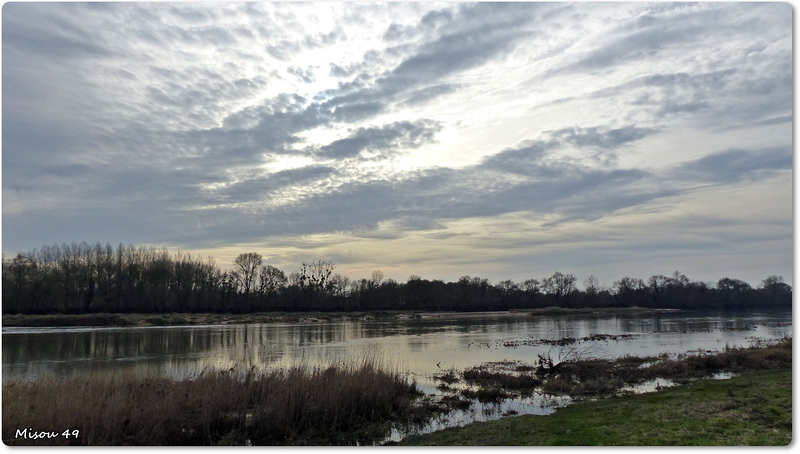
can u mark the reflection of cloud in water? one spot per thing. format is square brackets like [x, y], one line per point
[415, 345]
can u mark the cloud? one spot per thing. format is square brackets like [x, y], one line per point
[662, 32]
[63, 40]
[382, 140]
[537, 157]
[428, 94]
[600, 137]
[469, 37]
[249, 135]
[193, 124]
[733, 165]
[426, 197]
[526, 159]
[267, 187]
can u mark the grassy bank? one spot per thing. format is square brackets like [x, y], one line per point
[337, 405]
[753, 409]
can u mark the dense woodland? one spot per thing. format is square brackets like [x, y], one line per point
[84, 278]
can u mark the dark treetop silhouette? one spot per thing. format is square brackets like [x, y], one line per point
[83, 278]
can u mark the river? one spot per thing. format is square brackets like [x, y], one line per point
[422, 346]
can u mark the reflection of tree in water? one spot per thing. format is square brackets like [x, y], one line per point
[418, 342]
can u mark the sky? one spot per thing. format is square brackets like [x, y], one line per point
[504, 141]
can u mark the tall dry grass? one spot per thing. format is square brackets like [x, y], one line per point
[332, 405]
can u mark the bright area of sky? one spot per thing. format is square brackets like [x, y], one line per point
[505, 141]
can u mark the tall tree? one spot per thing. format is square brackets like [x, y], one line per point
[270, 280]
[247, 265]
[559, 284]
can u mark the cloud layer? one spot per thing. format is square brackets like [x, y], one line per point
[330, 129]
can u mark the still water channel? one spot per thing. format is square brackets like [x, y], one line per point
[422, 346]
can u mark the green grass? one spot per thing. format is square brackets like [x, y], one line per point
[753, 409]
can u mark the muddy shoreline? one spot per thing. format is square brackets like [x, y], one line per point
[192, 319]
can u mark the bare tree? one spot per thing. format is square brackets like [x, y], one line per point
[376, 279]
[315, 275]
[628, 284]
[507, 286]
[591, 284]
[559, 284]
[270, 280]
[338, 285]
[678, 279]
[531, 286]
[246, 268]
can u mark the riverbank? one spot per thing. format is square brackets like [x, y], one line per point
[751, 406]
[197, 319]
[751, 409]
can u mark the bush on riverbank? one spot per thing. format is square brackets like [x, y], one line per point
[576, 377]
[336, 405]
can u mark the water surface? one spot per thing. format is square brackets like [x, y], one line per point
[421, 346]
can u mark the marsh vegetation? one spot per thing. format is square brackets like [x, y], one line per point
[342, 404]
[565, 371]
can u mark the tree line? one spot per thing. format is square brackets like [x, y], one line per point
[84, 278]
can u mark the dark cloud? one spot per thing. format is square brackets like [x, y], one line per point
[422, 198]
[267, 186]
[470, 37]
[248, 135]
[533, 157]
[383, 140]
[23, 26]
[663, 29]
[733, 165]
[425, 198]
[352, 112]
[449, 54]
[526, 159]
[427, 94]
[600, 137]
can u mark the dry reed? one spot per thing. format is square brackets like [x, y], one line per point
[332, 405]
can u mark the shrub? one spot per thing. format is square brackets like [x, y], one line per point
[481, 376]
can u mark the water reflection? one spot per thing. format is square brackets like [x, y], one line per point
[420, 346]
[537, 404]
